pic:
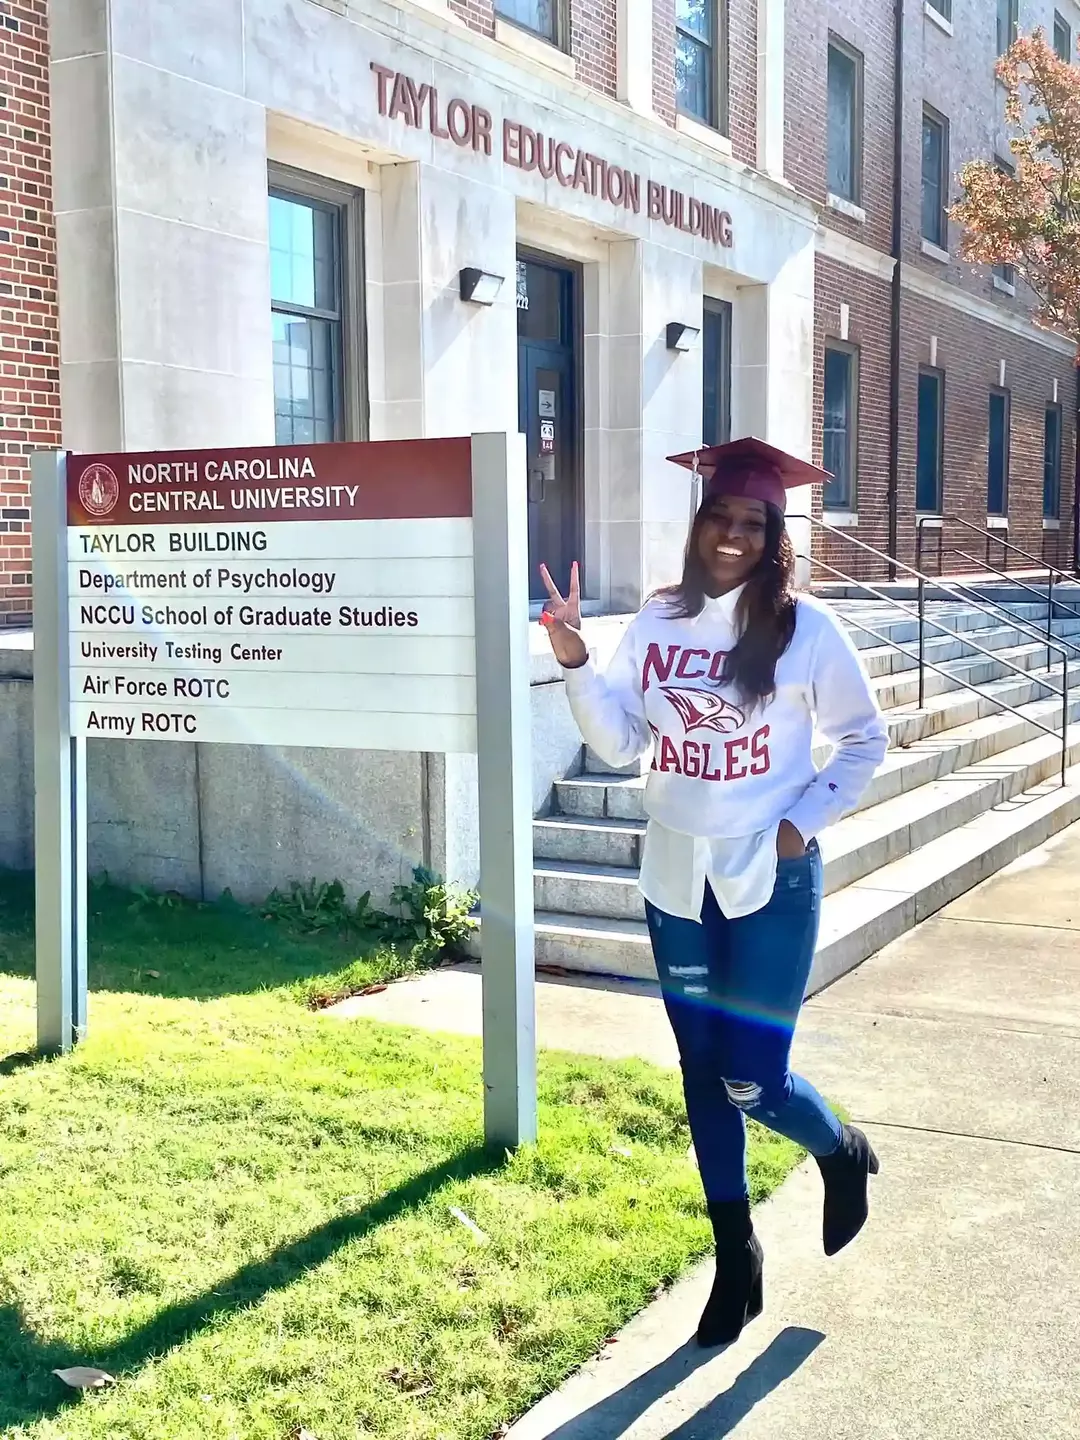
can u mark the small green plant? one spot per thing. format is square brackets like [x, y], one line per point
[428, 915]
[312, 908]
[439, 915]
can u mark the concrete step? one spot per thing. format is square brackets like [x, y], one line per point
[852, 849]
[860, 919]
[883, 660]
[900, 627]
[895, 691]
[987, 631]
[595, 842]
[925, 745]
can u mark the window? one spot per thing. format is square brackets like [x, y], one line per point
[943, 8]
[935, 168]
[997, 462]
[1052, 463]
[1008, 23]
[930, 442]
[1005, 273]
[539, 16]
[716, 365]
[845, 122]
[701, 60]
[1063, 47]
[311, 232]
[838, 426]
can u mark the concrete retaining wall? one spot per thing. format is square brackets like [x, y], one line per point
[202, 818]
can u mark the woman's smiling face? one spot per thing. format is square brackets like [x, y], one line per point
[731, 540]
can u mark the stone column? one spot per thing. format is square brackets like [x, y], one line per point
[671, 409]
[773, 373]
[442, 366]
[161, 215]
[770, 87]
[634, 29]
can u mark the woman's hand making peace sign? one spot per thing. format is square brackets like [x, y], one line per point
[562, 620]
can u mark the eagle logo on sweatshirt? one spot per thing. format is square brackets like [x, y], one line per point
[702, 710]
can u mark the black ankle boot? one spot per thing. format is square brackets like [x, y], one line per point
[736, 1297]
[846, 1172]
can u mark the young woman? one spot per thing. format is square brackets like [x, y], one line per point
[728, 676]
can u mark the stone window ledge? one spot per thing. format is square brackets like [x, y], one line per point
[936, 18]
[705, 134]
[997, 522]
[935, 252]
[846, 207]
[535, 47]
[1004, 286]
[840, 519]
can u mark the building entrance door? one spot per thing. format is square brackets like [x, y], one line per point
[548, 414]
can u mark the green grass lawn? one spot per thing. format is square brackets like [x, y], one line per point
[241, 1207]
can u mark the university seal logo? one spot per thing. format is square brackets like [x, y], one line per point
[99, 490]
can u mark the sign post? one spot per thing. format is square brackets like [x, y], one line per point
[334, 595]
[59, 776]
[504, 764]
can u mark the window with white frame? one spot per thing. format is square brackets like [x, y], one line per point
[1052, 463]
[1008, 23]
[1063, 46]
[542, 17]
[997, 454]
[935, 172]
[1005, 273]
[844, 138]
[930, 441]
[839, 420]
[314, 272]
[701, 61]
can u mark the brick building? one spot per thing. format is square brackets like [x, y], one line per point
[935, 394]
[29, 330]
[829, 318]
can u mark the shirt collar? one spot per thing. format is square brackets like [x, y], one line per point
[723, 606]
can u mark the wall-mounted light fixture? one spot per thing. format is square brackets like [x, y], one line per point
[479, 286]
[682, 337]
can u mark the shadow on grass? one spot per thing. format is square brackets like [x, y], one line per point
[28, 1389]
[21, 1060]
[615, 1415]
[174, 949]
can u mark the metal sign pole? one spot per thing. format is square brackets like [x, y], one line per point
[504, 725]
[59, 775]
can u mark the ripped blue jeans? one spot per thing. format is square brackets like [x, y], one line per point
[733, 990]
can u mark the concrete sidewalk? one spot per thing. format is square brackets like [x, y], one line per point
[956, 1314]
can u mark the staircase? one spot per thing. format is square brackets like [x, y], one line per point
[964, 789]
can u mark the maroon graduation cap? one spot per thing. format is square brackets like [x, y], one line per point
[749, 468]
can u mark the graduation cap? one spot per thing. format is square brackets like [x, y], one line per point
[749, 468]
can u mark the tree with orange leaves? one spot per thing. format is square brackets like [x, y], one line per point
[1030, 218]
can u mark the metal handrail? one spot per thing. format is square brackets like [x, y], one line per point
[935, 522]
[961, 684]
[1051, 603]
[956, 589]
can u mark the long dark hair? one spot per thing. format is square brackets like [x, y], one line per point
[765, 615]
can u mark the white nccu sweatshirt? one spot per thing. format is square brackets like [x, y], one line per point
[723, 777]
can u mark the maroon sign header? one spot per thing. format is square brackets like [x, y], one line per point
[362, 480]
[469, 126]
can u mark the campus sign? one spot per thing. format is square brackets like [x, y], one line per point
[325, 595]
[210, 590]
